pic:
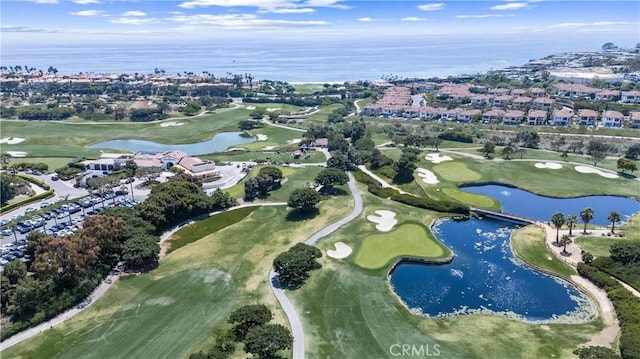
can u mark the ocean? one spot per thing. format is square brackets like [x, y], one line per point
[313, 61]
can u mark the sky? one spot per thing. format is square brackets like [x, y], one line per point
[70, 21]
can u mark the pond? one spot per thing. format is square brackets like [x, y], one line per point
[484, 276]
[521, 202]
[218, 143]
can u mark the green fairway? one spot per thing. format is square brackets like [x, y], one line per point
[275, 156]
[407, 240]
[296, 177]
[456, 171]
[277, 137]
[472, 199]
[528, 244]
[172, 310]
[161, 318]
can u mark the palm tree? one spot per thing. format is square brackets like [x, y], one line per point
[614, 217]
[14, 229]
[565, 240]
[558, 220]
[571, 222]
[586, 214]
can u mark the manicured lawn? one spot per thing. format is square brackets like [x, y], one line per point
[202, 228]
[275, 156]
[600, 246]
[277, 136]
[297, 177]
[407, 240]
[172, 311]
[472, 199]
[456, 171]
[53, 162]
[528, 244]
[322, 115]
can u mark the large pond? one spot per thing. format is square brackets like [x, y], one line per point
[520, 202]
[219, 142]
[485, 276]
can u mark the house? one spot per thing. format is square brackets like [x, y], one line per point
[513, 117]
[193, 166]
[518, 92]
[543, 103]
[587, 117]
[498, 91]
[320, 142]
[630, 97]
[536, 92]
[521, 101]
[492, 116]
[634, 119]
[428, 113]
[502, 100]
[537, 117]
[411, 112]
[612, 119]
[469, 115]
[451, 114]
[562, 117]
[479, 100]
[574, 90]
[607, 95]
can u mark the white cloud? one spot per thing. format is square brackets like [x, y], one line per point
[11, 28]
[273, 6]
[481, 16]
[239, 21]
[134, 21]
[301, 10]
[589, 24]
[327, 3]
[431, 7]
[45, 1]
[133, 13]
[88, 13]
[412, 18]
[510, 6]
[86, 2]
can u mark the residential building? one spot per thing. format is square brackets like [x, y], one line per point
[502, 100]
[634, 119]
[521, 102]
[587, 117]
[607, 95]
[536, 92]
[562, 117]
[630, 97]
[492, 116]
[513, 117]
[536, 117]
[612, 119]
[469, 115]
[543, 103]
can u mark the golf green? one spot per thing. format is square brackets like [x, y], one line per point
[456, 171]
[407, 240]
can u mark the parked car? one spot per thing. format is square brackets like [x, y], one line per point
[54, 178]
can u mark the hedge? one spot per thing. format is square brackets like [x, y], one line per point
[420, 202]
[35, 181]
[627, 308]
[35, 198]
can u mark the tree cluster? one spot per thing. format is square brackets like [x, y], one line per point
[267, 180]
[294, 265]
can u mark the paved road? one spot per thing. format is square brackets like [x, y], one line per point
[296, 326]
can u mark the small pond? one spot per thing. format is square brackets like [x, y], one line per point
[485, 276]
[521, 202]
[218, 143]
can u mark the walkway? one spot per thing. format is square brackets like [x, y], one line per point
[296, 326]
[382, 182]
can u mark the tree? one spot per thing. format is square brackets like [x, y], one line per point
[564, 155]
[564, 241]
[558, 220]
[529, 139]
[330, 177]
[67, 258]
[435, 141]
[274, 172]
[149, 173]
[586, 215]
[294, 265]
[14, 271]
[141, 251]
[626, 165]
[404, 169]
[131, 167]
[266, 340]
[303, 198]
[250, 189]
[488, 149]
[587, 257]
[614, 217]
[633, 152]
[248, 317]
[7, 191]
[596, 353]
[626, 253]
[507, 151]
[571, 220]
[597, 150]
[109, 233]
[340, 161]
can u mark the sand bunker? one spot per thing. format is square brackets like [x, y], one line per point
[385, 220]
[171, 123]
[342, 251]
[437, 158]
[549, 165]
[11, 140]
[586, 169]
[271, 109]
[251, 107]
[270, 148]
[17, 153]
[295, 140]
[427, 176]
[262, 137]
